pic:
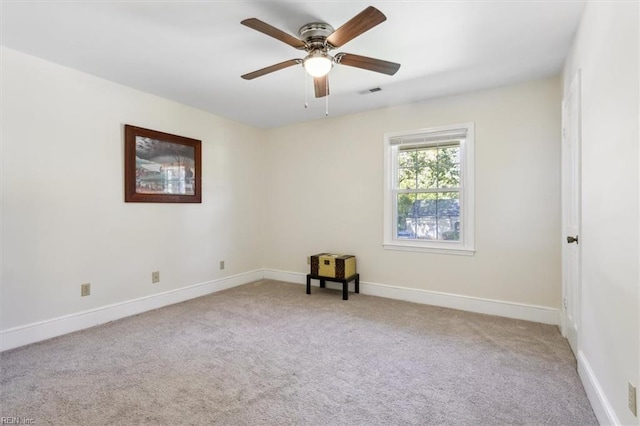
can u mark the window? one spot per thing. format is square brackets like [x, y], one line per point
[429, 196]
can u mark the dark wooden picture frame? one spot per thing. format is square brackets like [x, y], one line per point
[161, 167]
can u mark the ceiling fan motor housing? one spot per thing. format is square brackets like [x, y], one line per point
[315, 35]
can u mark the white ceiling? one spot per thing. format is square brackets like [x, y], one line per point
[194, 52]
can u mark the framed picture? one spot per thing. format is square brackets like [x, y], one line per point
[161, 167]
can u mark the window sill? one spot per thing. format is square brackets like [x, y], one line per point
[457, 250]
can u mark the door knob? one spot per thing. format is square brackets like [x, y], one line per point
[571, 239]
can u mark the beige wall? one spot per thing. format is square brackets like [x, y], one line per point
[606, 52]
[271, 197]
[64, 220]
[325, 189]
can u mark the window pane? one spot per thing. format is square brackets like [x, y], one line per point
[427, 177]
[449, 216]
[451, 152]
[425, 216]
[452, 177]
[422, 156]
[406, 178]
[448, 169]
[405, 228]
[406, 158]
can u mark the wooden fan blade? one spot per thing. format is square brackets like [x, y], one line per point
[272, 31]
[362, 22]
[272, 68]
[371, 64]
[321, 84]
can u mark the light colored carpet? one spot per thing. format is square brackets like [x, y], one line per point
[268, 354]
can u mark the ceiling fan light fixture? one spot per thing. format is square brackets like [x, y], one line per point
[318, 63]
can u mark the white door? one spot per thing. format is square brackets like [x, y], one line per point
[571, 281]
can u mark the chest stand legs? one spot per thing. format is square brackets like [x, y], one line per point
[345, 284]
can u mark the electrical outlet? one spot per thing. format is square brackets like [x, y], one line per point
[85, 289]
[633, 401]
[221, 265]
[155, 277]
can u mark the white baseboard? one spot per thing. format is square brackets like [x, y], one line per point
[31, 333]
[598, 399]
[500, 308]
[288, 277]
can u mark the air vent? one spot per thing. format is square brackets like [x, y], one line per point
[372, 90]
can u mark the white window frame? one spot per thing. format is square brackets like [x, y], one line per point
[429, 137]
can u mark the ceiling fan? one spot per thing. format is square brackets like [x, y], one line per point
[317, 39]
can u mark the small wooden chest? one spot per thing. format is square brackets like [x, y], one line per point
[333, 265]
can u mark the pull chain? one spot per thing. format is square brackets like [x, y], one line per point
[326, 98]
[306, 89]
